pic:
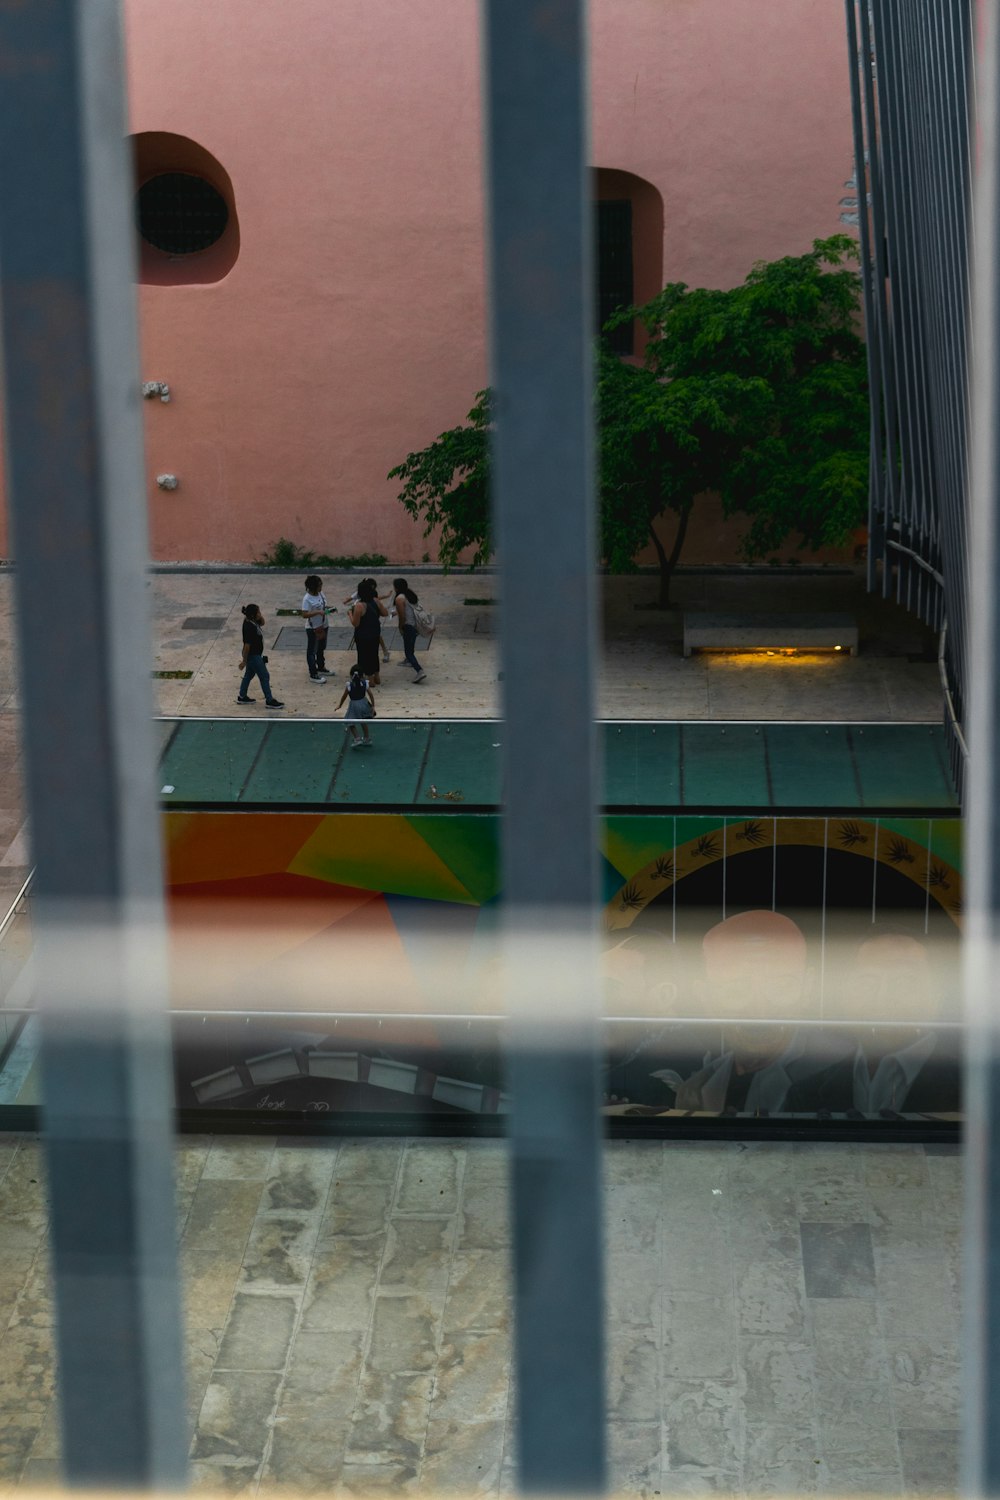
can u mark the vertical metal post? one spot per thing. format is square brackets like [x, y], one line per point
[876, 500]
[911, 121]
[884, 321]
[981, 1343]
[542, 325]
[75, 467]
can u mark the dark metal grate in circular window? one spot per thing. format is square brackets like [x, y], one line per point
[180, 213]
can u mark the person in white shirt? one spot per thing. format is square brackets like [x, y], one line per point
[314, 611]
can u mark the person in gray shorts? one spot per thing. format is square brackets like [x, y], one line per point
[361, 706]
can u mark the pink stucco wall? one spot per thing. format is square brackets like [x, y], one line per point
[350, 329]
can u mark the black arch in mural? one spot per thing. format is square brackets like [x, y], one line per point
[854, 865]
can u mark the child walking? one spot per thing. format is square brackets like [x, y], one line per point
[361, 706]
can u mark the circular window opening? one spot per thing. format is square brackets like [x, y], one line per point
[180, 213]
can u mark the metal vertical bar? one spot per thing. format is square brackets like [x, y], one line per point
[934, 60]
[924, 108]
[945, 92]
[904, 242]
[885, 313]
[981, 1343]
[876, 496]
[949, 208]
[955, 536]
[888, 136]
[916, 129]
[74, 457]
[910, 241]
[541, 321]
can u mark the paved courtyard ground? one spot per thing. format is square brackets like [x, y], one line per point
[782, 1319]
[642, 673]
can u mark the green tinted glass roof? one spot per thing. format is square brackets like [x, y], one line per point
[662, 766]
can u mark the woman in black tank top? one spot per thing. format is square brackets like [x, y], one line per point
[366, 617]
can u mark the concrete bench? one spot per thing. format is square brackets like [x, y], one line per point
[719, 632]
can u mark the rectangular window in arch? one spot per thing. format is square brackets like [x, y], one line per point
[614, 268]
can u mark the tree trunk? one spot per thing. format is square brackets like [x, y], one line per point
[669, 563]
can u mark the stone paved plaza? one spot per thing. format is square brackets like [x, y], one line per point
[641, 671]
[782, 1319]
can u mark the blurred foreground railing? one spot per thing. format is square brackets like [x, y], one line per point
[75, 464]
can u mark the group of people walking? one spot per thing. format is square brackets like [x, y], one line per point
[366, 609]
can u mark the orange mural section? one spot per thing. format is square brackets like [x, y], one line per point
[299, 915]
[217, 846]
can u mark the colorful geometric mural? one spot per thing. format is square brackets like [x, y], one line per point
[296, 884]
[447, 859]
[835, 987]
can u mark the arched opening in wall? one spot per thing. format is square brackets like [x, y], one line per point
[628, 250]
[184, 211]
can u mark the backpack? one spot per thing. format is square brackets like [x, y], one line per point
[424, 620]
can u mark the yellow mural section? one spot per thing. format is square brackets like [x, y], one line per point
[377, 852]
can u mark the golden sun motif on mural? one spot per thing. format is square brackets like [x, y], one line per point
[869, 840]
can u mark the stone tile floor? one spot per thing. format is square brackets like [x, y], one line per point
[783, 1319]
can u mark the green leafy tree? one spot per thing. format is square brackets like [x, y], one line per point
[758, 393]
[447, 486]
[798, 464]
[662, 444]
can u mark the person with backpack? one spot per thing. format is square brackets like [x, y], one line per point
[413, 621]
[361, 706]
